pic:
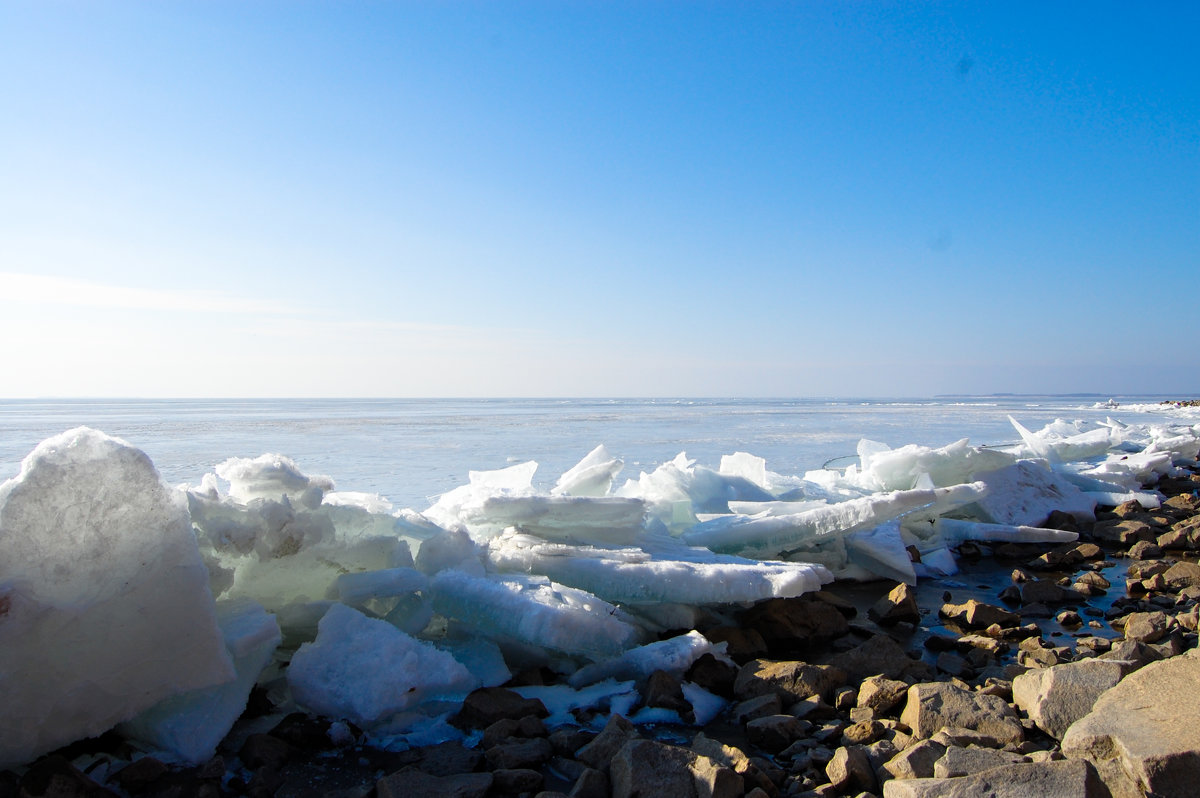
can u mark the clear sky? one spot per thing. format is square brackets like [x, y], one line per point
[598, 198]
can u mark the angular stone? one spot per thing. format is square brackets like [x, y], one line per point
[881, 693]
[776, 732]
[592, 783]
[1046, 591]
[898, 606]
[1146, 726]
[483, 707]
[517, 780]
[1057, 779]
[791, 680]
[645, 768]
[977, 615]
[1056, 697]
[531, 753]
[414, 783]
[879, 654]
[1181, 575]
[790, 625]
[965, 761]
[934, 705]
[754, 708]
[916, 761]
[1146, 627]
[850, 771]
[600, 751]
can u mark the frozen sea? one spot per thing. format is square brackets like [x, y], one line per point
[410, 450]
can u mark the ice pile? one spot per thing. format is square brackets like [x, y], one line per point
[125, 602]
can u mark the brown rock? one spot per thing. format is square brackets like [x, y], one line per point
[1146, 627]
[741, 644]
[977, 615]
[794, 625]
[774, 733]
[898, 606]
[1181, 575]
[878, 654]
[791, 680]
[531, 753]
[935, 705]
[713, 675]
[881, 693]
[485, 706]
[645, 768]
[55, 777]
[600, 751]
[850, 771]
[414, 783]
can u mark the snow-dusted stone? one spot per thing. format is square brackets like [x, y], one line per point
[1058, 779]
[105, 608]
[934, 705]
[188, 727]
[536, 611]
[1145, 729]
[1025, 493]
[1056, 697]
[365, 670]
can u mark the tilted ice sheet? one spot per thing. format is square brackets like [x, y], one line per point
[673, 655]
[536, 611]
[105, 598]
[771, 535]
[568, 518]
[883, 468]
[635, 576]
[956, 530]
[592, 476]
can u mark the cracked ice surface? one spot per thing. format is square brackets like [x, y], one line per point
[104, 602]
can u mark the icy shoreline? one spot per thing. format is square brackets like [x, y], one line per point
[492, 579]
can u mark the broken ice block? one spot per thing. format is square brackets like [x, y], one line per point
[105, 608]
[187, 727]
[674, 655]
[571, 518]
[676, 575]
[592, 476]
[1025, 493]
[954, 530]
[536, 611]
[366, 670]
[769, 536]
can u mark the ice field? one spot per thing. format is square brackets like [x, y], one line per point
[132, 601]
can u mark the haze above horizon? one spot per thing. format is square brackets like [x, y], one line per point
[570, 199]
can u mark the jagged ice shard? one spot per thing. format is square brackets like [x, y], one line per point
[105, 608]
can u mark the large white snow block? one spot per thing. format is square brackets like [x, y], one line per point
[1025, 493]
[105, 608]
[366, 670]
[188, 727]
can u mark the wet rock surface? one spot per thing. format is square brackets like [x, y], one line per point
[1038, 669]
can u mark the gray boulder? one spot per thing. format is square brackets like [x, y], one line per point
[1069, 779]
[1144, 730]
[647, 768]
[934, 705]
[1056, 697]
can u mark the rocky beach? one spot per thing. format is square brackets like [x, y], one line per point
[1065, 669]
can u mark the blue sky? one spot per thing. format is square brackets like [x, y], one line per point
[609, 198]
